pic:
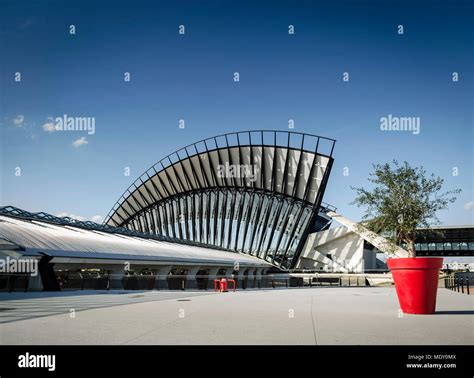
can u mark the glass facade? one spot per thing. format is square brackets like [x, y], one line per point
[445, 241]
[258, 224]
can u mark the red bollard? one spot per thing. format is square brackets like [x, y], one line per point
[223, 285]
[234, 283]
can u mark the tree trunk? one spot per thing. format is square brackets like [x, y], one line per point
[411, 248]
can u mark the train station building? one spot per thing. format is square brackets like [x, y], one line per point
[244, 204]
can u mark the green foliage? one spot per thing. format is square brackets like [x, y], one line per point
[403, 199]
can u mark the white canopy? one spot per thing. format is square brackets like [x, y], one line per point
[72, 242]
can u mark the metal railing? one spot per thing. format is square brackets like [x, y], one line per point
[202, 282]
[458, 282]
[18, 282]
[167, 282]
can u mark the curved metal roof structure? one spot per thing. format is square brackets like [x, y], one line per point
[256, 192]
[59, 240]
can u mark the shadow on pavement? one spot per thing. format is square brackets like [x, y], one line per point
[459, 312]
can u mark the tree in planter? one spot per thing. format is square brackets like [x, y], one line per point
[403, 199]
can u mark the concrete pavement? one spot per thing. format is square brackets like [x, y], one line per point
[322, 316]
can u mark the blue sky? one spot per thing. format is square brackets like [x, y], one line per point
[190, 76]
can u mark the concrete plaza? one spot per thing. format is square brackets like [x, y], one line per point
[311, 316]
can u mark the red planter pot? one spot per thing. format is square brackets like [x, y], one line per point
[416, 282]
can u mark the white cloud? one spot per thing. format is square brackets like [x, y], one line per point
[469, 205]
[80, 142]
[49, 126]
[19, 120]
[73, 216]
[97, 218]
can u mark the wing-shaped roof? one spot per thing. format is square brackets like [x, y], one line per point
[285, 163]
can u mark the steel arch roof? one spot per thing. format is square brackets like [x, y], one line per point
[228, 171]
[194, 167]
